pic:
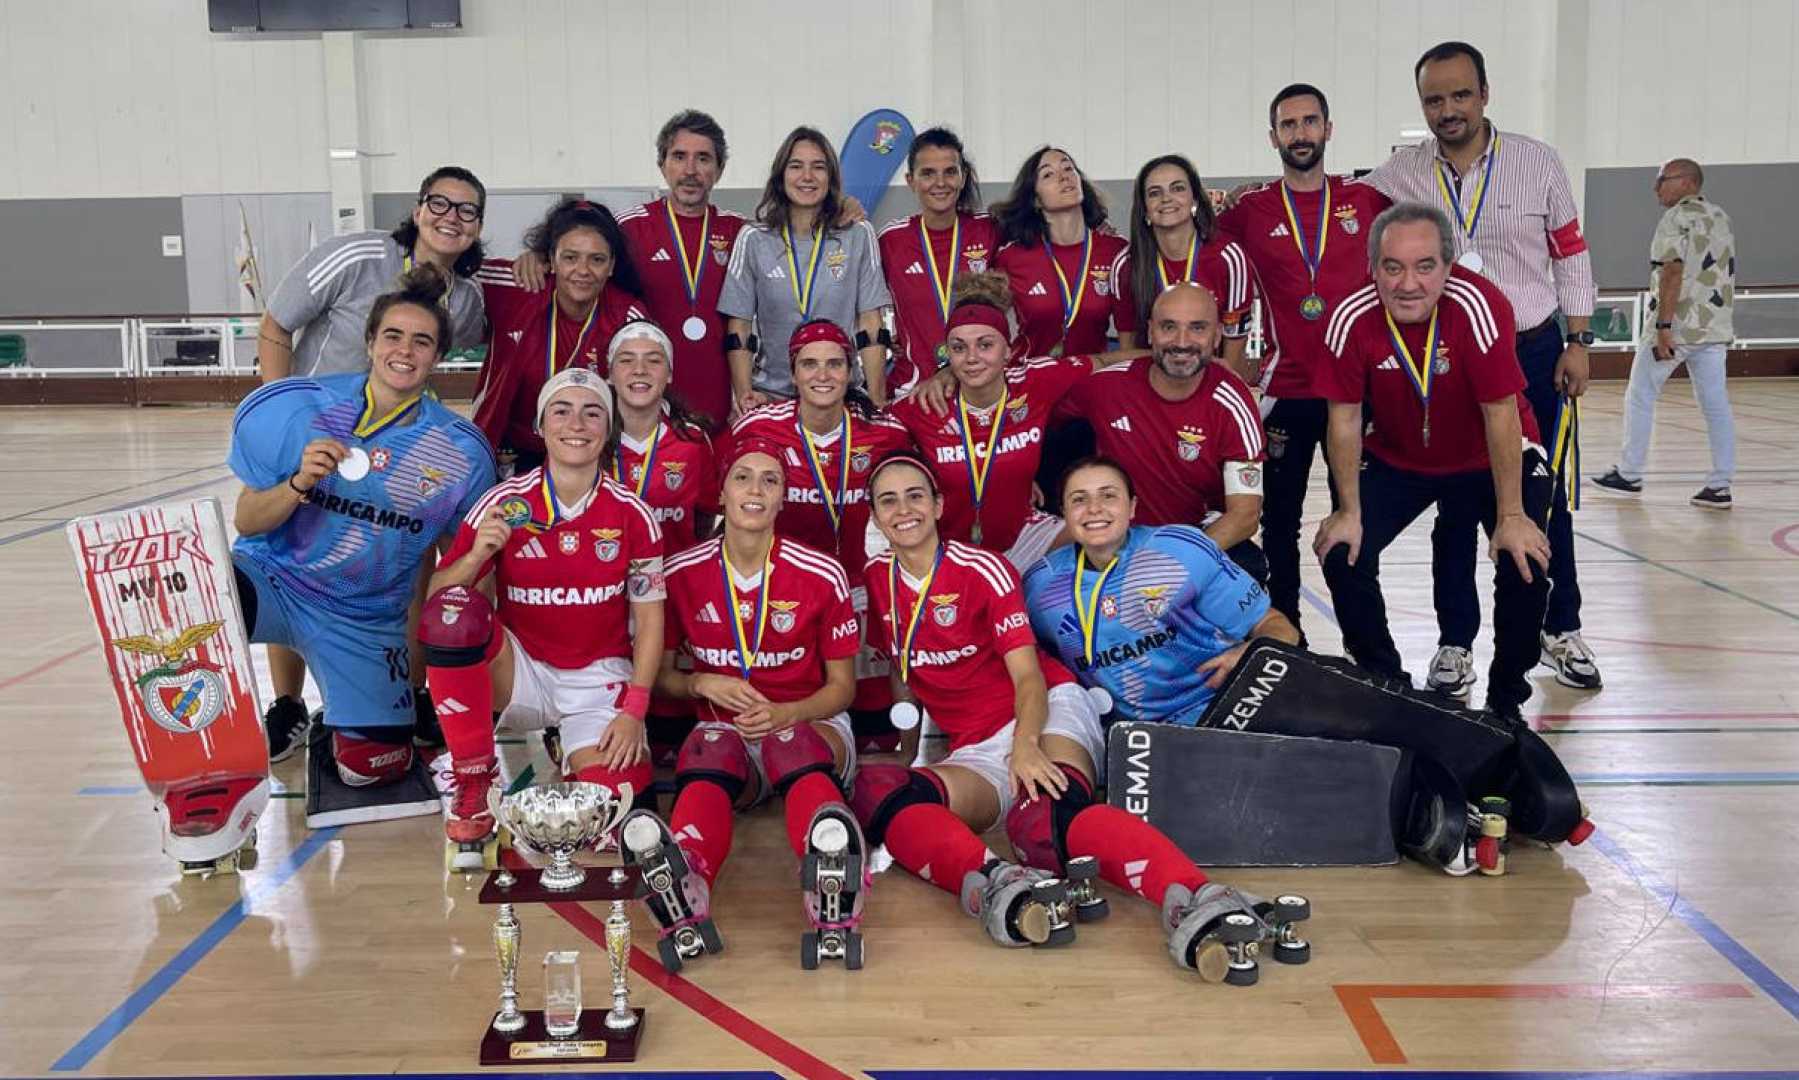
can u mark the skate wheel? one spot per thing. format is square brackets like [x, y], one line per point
[809, 873]
[809, 950]
[671, 956]
[1488, 856]
[852, 873]
[1061, 935]
[852, 950]
[1296, 953]
[1581, 832]
[1239, 929]
[1292, 908]
[1081, 868]
[710, 939]
[1496, 805]
[1093, 911]
[1050, 891]
[1245, 975]
[490, 854]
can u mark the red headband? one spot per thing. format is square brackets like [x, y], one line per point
[978, 314]
[749, 444]
[817, 330]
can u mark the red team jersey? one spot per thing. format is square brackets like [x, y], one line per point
[683, 481]
[1174, 451]
[1221, 266]
[1033, 388]
[701, 377]
[563, 591]
[804, 517]
[1476, 360]
[517, 352]
[912, 280]
[1037, 296]
[1294, 351]
[973, 616]
[809, 619]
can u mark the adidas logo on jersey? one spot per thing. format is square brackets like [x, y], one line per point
[1279, 230]
[916, 267]
[1123, 423]
[661, 255]
[516, 335]
[1038, 290]
[1389, 364]
[531, 550]
[777, 274]
[708, 614]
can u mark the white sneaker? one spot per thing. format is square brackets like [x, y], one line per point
[1452, 672]
[1572, 660]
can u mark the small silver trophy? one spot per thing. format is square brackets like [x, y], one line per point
[559, 820]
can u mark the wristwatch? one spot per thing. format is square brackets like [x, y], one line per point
[1584, 337]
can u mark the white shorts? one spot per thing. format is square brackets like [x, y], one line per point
[845, 733]
[581, 701]
[1071, 715]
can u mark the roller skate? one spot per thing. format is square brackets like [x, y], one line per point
[674, 890]
[1082, 874]
[834, 880]
[1219, 932]
[472, 840]
[1018, 905]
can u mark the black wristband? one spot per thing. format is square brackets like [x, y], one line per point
[733, 343]
[1664, 326]
[301, 492]
[863, 341]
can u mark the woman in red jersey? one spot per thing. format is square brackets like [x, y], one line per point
[548, 605]
[1064, 267]
[923, 256]
[1173, 239]
[664, 455]
[768, 627]
[953, 618]
[535, 336]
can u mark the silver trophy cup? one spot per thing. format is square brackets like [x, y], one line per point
[559, 820]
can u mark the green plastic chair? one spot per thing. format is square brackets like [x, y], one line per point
[12, 350]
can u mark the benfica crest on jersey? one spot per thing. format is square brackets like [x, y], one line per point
[605, 543]
[721, 248]
[859, 458]
[1345, 216]
[1102, 281]
[943, 608]
[836, 261]
[673, 472]
[1440, 365]
[976, 254]
[1019, 409]
[783, 618]
[1155, 600]
[1188, 442]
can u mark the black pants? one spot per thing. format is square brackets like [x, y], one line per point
[1296, 429]
[1454, 544]
[1391, 500]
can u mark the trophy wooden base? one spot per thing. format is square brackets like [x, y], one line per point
[527, 887]
[593, 1041]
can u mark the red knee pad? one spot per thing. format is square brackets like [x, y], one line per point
[455, 627]
[1038, 828]
[716, 753]
[793, 752]
[882, 790]
[365, 762]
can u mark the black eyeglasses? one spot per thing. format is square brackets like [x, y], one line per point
[440, 205]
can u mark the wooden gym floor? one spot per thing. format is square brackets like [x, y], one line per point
[1663, 944]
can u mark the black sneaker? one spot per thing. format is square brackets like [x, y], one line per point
[286, 723]
[1712, 498]
[425, 730]
[1614, 481]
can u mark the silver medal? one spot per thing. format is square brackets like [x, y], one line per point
[1470, 260]
[1101, 700]
[355, 464]
[694, 328]
[903, 715]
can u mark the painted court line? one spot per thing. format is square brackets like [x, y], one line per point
[1695, 578]
[1313, 1074]
[1714, 935]
[32, 672]
[256, 890]
[1684, 779]
[26, 534]
[1358, 1000]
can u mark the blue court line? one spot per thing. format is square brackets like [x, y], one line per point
[164, 978]
[40, 530]
[1695, 578]
[1314, 1074]
[1690, 779]
[1324, 609]
[1716, 936]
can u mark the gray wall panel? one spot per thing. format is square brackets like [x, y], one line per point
[90, 256]
[1621, 217]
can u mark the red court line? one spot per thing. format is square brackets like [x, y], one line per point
[733, 1022]
[31, 673]
[1787, 539]
[1672, 718]
[1358, 1000]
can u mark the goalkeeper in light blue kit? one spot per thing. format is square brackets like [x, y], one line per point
[1153, 616]
[349, 482]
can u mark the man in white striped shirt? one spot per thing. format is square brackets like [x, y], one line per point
[1516, 224]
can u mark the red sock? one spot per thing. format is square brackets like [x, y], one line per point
[807, 794]
[935, 844]
[701, 822]
[639, 776]
[464, 700]
[1133, 854]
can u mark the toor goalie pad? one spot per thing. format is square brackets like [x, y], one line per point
[1457, 757]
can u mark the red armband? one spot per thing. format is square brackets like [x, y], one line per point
[635, 700]
[1566, 242]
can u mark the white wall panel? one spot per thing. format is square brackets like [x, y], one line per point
[101, 98]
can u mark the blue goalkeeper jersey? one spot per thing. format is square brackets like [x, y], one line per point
[1171, 601]
[354, 547]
